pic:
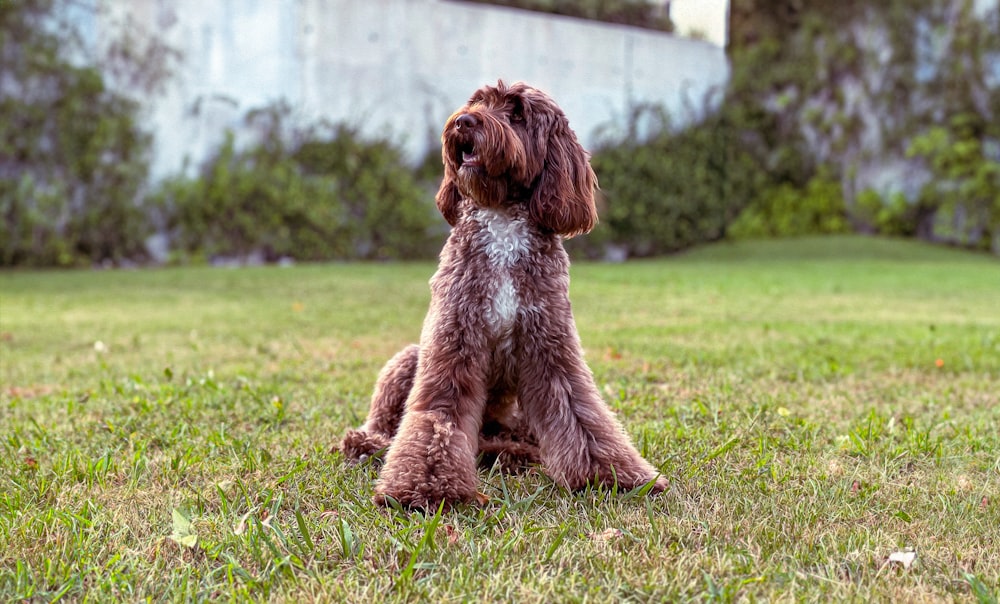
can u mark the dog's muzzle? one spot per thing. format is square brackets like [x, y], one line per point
[464, 151]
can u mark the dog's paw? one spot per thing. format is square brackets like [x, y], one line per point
[430, 462]
[426, 497]
[358, 445]
[660, 484]
[416, 502]
[647, 485]
[408, 504]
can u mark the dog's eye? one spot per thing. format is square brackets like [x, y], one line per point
[516, 114]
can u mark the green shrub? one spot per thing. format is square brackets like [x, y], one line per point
[787, 211]
[31, 234]
[73, 159]
[675, 189]
[893, 215]
[965, 190]
[240, 204]
[392, 214]
[323, 198]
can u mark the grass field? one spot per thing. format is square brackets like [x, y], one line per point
[823, 408]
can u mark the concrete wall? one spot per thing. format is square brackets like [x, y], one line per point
[400, 67]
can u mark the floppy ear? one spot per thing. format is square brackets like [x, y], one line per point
[448, 196]
[563, 200]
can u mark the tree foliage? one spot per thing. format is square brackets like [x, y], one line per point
[74, 159]
[965, 188]
[821, 93]
[856, 85]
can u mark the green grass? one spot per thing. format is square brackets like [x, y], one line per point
[817, 404]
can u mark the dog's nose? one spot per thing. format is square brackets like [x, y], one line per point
[466, 121]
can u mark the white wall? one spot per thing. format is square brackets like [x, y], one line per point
[400, 67]
[707, 19]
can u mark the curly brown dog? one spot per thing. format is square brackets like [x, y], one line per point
[499, 370]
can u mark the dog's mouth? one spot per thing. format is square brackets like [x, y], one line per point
[466, 156]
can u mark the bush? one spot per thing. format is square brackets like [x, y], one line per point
[322, 198]
[787, 211]
[965, 190]
[675, 189]
[892, 215]
[74, 159]
[391, 213]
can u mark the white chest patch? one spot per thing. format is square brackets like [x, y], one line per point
[505, 242]
[502, 307]
[505, 239]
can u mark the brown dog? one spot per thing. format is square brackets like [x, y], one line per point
[499, 369]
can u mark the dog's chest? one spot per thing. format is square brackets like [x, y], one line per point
[504, 239]
[505, 242]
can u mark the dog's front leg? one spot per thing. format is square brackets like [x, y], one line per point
[580, 438]
[433, 456]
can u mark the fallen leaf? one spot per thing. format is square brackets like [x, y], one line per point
[482, 498]
[183, 533]
[905, 558]
[855, 487]
[783, 411]
[606, 534]
[329, 515]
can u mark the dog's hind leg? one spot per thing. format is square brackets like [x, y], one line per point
[507, 454]
[386, 411]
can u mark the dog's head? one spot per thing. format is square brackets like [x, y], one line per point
[513, 144]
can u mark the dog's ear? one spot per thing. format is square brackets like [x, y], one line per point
[448, 196]
[563, 199]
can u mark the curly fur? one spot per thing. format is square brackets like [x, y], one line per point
[499, 372]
